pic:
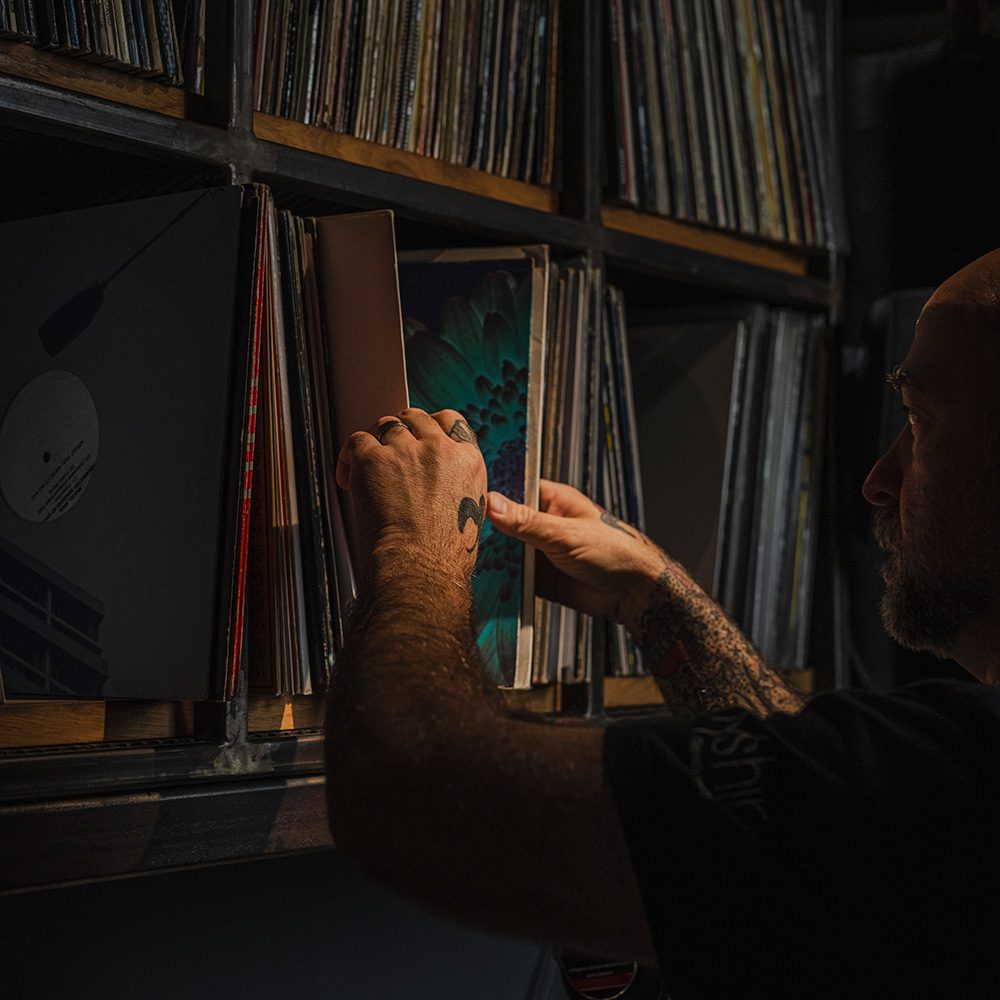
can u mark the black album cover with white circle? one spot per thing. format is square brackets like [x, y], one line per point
[118, 364]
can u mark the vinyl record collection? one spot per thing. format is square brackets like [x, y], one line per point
[159, 39]
[735, 396]
[472, 82]
[718, 116]
[512, 340]
[721, 404]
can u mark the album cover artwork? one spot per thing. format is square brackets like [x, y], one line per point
[475, 326]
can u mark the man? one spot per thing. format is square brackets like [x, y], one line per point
[761, 848]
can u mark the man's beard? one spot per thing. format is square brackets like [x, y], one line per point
[944, 575]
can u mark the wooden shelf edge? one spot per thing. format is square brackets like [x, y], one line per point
[313, 139]
[544, 700]
[268, 713]
[786, 260]
[277, 713]
[631, 692]
[21, 60]
[29, 724]
[101, 837]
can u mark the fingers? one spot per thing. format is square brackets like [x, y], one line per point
[385, 427]
[420, 422]
[355, 447]
[412, 424]
[543, 531]
[563, 500]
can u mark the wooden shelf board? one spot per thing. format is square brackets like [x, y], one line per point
[270, 713]
[60, 723]
[544, 700]
[314, 139]
[787, 260]
[96, 837]
[631, 692]
[278, 713]
[22, 60]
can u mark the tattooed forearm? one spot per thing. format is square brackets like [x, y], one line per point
[700, 659]
[461, 431]
[469, 510]
[612, 522]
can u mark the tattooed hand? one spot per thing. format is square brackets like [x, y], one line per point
[590, 561]
[417, 483]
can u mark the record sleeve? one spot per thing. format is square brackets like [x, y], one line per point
[475, 324]
[121, 502]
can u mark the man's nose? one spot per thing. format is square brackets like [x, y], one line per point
[881, 488]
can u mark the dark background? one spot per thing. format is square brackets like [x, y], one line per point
[921, 163]
[921, 131]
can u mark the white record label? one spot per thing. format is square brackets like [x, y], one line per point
[48, 446]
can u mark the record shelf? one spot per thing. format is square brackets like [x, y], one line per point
[95, 790]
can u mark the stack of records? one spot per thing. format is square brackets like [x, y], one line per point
[159, 39]
[718, 116]
[472, 83]
[729, 403]
[590, 442]
[475, 330]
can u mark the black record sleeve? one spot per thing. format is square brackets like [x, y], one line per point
[120, 368]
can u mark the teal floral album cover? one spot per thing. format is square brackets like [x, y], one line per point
[473, 328]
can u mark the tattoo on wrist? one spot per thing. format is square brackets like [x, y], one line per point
[701, 659]
[461, 431]
[612, 522]
[469, 510]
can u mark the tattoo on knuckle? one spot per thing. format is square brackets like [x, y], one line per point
[461, 431]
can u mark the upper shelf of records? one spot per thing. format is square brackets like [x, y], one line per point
[488, 115]
[156, 39]
[720, 114]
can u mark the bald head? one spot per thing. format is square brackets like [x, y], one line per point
[970, 298]
[956, 347]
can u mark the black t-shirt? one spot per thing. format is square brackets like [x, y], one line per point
[851, 850]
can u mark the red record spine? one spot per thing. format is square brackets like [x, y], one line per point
[249, 436]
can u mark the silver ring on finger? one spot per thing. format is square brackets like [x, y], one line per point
[383, 429]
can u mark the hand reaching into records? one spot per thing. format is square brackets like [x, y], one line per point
[590, 561]
[594, 563]
[418, 483]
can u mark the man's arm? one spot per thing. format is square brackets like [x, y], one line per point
[700, 660]
[595, 563]
[507, 824]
